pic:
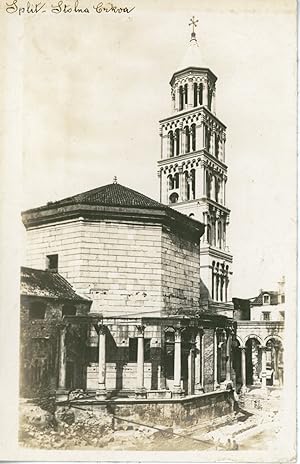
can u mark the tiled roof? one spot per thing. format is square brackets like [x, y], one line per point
[109, 195]
[35, 282]
[258, 301]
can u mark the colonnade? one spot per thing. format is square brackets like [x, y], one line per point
[195, 360]
[191, 93]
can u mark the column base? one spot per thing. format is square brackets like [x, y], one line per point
[101, 395]
[141, 393]
[177, 392]
[244, 389]
[199, 390]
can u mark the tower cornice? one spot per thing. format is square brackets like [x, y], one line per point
[192, 111]
[193, 69]
[200, 156]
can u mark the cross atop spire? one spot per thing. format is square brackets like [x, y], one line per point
[193, 23]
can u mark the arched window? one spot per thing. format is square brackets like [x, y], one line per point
[177, 140]
[68, 310]
[186, 139]
[217, 190]
[219, 234]
[37, 310]
[170, 181]
[207, 138]
[193, 134]
[208, 184]
[217, 141]
[213, 280]
[186, 190]
[173, 198]
[195, 87]
[186, 94]
[193, 178]
[191, 215]
[201, 94]
[180, 98]
[171, 144]
[209, 99]
[208, 233]
[176, 181]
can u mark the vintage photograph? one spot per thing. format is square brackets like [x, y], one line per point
[157, 229]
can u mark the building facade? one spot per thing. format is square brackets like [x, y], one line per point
[138, 263]
[192, 170]
[258, 351]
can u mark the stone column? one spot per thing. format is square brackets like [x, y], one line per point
[243, 367]
[228, 356]
[62, 359]
[140, 388]
[191, 370]
[199, 363]
[101, 392]
[177, 390]
[263, 368]
[216, 383]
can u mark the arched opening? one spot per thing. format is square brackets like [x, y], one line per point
[176, 181]
[274, 362]
[186, 139]
[193, 136]
[208, 233]
[213, 280]
[186, 94]
[37, 310]
[180, 98]
[253, 361]
[171, 144]
[195, 93]
[217, 141]
[170, 182]
[177, 139]
[209, 99]
[186, 192]
[192, 184]
[208, 184]
[237, 362]
[68, 310]
[173, 198]
[207, 138]
[217, 190]
[201, 94]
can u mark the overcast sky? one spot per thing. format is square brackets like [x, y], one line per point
[95, 87]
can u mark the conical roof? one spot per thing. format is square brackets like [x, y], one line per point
[193, 56]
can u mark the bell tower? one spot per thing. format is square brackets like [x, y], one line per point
[192, 169]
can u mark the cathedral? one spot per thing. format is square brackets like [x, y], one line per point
[140, 305]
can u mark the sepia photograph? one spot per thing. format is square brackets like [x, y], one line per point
[149, 230]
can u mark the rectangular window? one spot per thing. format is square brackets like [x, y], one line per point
[37, 311]
[266, 316]
[52, 263]
[266, 299]
[282, 298]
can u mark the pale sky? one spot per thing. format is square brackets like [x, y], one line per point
[95, 87]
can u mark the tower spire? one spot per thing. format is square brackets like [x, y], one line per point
[193, 23]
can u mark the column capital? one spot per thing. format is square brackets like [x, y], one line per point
[101, 328]
[178, 331]
[140, 330]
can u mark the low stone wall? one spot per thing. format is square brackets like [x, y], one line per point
[186, 411]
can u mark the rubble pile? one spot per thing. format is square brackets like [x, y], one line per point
[72, 429]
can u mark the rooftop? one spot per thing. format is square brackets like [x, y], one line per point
[47, 284]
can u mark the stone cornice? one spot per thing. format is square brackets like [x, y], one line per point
[198, 156]
[215, 253]
[193, 70]
[191, 111]
[85, 212]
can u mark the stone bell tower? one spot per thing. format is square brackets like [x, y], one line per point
[192, 170]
